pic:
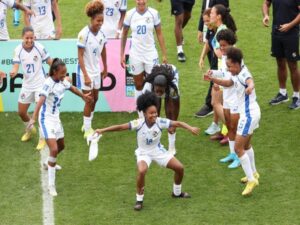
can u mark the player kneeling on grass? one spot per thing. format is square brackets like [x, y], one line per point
[163, 81]
[149, 130]
[52, 130]
[249, 114]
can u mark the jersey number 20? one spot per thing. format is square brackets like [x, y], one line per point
[141, 29]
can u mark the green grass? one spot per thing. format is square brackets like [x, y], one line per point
[103, 191]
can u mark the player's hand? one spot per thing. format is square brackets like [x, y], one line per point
[87, 81]
[200, 37]
[195, 130]
[67, 78]
[2, 75]
[285, 27]
[201, 63]
[13, 74]
[30, 124]
[207, 76]
[104, 74]
[216, 87]
[98, 131]
[164, 59]
[266, 20]
[58, 33]
[123, 62]
[249, 90]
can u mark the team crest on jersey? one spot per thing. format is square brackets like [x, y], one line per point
[81, 39]
[35, 58]
[23, 96]
[117, 4]
[148, 20]
[155, 133]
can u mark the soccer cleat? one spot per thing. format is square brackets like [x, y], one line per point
[295, 103]
[89, 132]
[216, 137]
[229, 158]
[182, 195]
[172, 151]
[28, 134]
[52, 190]
[244, 180]
[250, 186]
[82, 129]
[204, 111]
[138, 205]
[224, 141]
[235, 164]
[57, 167]
[279, 98]
[212, 129]
[181, 57]
[41, 145]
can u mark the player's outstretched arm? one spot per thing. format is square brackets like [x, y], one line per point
[119, 127]
[210, 77]
[193, 130]
[86, 97]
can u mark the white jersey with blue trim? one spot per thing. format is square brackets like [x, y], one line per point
[142, 27]
[148, 87]
[4, 6]
[247, 103]
[54, 92]
[93, 45]
[112, 15]
[32, 65]
[148, 138]
[42, 20]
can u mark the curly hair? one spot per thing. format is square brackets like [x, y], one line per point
[146, 100]
[94, 8]
[235, 55]
[227, 35]
[165, 70]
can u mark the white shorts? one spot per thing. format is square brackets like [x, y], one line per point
[45, 35]
[95, 83]
[51, 129]
[160, 155]
[247, 125]
[141, 64]
[27, 97]
[234, 109]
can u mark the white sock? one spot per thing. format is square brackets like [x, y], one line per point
[177, 189]
[245, 162]
[171, 138]
[282, 91]
[87, 122]
[250, 154]
[179, 49]
[92, 115]
[139, 198]
[51, 175]
[296, 94]
[231, 146]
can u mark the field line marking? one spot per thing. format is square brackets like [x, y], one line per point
[48, 209]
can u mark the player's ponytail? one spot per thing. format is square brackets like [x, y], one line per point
[227, 19]
[27, 29]
[56, 63]
[94, 8]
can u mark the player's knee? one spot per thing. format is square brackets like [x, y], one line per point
[142, 171]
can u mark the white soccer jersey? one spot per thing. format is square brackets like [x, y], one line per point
[32, 65]
[42, 20]
[142, 26]
[4, 5]
[54, 92]
[148, 87]
[148, 138]
[93, 45]
[112, 14]
[247, 103]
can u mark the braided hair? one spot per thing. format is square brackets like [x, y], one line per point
[165, 70]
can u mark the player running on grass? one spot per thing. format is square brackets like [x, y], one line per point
[249, 114]
[48, 110]
[149, 130]
[163, 81]
[91, 46]
[30, 55]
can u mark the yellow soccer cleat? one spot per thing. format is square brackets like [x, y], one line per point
[244, 180]
[28, 134]
[250, 186]
[82, 129]
[42, 143]
[88, 133]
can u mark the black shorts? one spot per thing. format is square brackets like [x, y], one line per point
[285, 47]
[180, 6]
